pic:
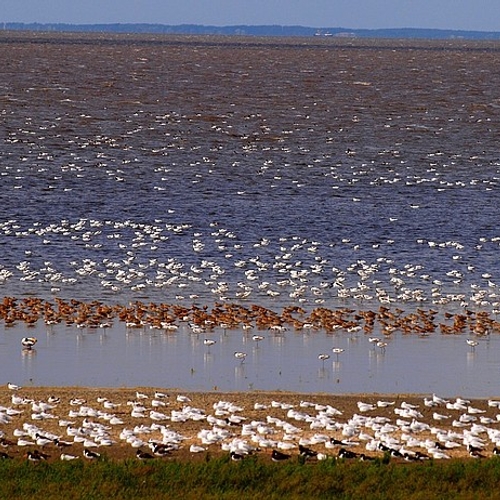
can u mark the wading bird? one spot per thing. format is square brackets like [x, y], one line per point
[28, 342]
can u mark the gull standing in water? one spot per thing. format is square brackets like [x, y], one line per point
[257, 338]
[240, 355]
[28, 342]
[337, 351]
[209, 343]
[472, 343]
[323, 358]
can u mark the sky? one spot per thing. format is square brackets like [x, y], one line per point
[476, 15]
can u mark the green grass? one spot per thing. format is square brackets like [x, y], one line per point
[252, 478]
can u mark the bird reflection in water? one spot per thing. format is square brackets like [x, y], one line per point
[471, 356]
[208, 358]
[239, 371]
[28, 353]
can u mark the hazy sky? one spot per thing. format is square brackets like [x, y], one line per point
[483, 15]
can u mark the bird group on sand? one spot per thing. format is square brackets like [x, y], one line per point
[152, 425]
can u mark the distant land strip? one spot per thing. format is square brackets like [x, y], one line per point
[249, 30]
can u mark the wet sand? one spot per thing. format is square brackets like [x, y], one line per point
[313, 418]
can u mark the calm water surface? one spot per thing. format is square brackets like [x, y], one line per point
[117, 357]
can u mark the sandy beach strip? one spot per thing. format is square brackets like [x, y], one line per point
[116, 422]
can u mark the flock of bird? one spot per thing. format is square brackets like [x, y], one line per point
[170, 251]
[337, 280]
[225, 267]
[203, 319]
[155, 424]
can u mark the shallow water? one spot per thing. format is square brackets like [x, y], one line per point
[270, 171]
[116, 357]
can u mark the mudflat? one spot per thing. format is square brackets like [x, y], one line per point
[116, 422]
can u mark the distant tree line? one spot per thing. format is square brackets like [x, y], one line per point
[266, 30]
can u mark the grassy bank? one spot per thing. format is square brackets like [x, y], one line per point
[251, 478]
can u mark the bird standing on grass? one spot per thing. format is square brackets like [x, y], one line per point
[36, 456]
[307, 452]
[278, 456]
[91, 455]
[236, 457]
[143, 455]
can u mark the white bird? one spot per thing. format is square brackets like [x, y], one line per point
[438, 416]
[110, 406]
[472, 343]
[286, 445]
[365, 406]
[16, 400]
[77, 401]
[439, 400]
[323, 358]
[42, 440]
[194, 448]
[24, 442]
[156, 403]
[28, 342]
[437, 454]
[473, 410]
[408, 406]
[240, 355]
[337, 351]
[14, 387]
[384, 404]
[209, 343]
